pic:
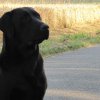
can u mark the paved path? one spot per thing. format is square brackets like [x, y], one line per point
[74, 75]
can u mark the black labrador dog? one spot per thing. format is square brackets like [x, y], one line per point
[22, 75]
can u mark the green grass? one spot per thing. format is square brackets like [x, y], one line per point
[68, 42]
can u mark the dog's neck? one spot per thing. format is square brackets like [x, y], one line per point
[10, 56]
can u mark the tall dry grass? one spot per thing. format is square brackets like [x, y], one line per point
[68, 16]
[65, 16]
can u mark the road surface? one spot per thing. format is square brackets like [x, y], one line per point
[74, 75]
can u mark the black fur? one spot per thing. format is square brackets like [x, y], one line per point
[22, 76]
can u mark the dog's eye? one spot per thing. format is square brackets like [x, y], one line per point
[36, 15]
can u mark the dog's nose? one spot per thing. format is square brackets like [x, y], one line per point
[44, 27]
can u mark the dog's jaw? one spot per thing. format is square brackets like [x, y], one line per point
[44, 36]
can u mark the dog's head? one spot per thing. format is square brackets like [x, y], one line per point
[24, 27]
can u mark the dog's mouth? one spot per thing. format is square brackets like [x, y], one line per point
[30, 45]
[43, 37]
[37, 41]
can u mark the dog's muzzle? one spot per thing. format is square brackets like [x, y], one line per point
[45, 31]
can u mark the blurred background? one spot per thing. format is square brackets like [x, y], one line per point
[51, 1]
[64, 17]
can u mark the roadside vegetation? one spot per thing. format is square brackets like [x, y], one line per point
[68, 42]
[73, 23]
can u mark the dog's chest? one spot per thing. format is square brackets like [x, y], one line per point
[19, 76]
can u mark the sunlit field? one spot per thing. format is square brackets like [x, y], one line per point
[67, 18]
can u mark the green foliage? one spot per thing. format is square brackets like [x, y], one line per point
[67, 42]
[79, 36]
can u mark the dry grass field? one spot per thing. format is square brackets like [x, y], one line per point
[65, 18]
[71, 18]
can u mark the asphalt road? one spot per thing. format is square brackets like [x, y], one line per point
[74, 75]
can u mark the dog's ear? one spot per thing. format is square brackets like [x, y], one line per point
[6, 24]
